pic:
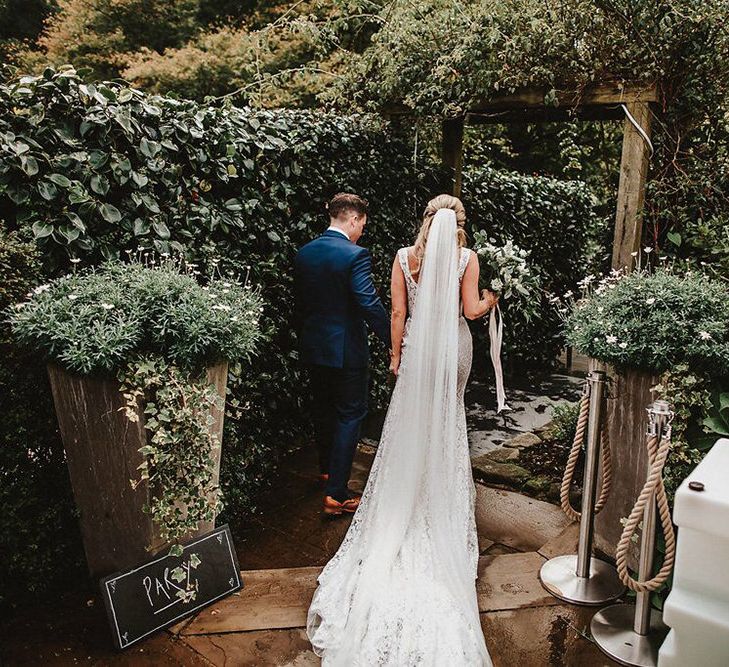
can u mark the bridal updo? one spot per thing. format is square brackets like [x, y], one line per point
[435, 204]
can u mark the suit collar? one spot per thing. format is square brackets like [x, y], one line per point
[331, 233]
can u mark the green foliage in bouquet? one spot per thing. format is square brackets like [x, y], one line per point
[505, 270]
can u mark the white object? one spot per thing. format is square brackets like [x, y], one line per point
[697, 609]
[496, 334]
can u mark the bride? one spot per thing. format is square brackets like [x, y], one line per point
[401, 588]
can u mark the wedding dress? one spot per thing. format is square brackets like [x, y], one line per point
[401, 590]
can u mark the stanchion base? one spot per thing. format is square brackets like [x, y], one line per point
[603, 585]
[612, 630]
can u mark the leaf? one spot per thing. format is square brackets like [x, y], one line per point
[674, 237]
[41, 230]
[76, 221]
[47, 190]
[141, 227]
[233, 205]
[99, 184]
[60, 179]
[273, 236]
[194, 561]
[149, 148]
[110, 213]
[161, 229]
[716, 425]
[69, 233]
[29, 165]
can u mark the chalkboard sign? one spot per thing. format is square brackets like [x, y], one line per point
[168, 588]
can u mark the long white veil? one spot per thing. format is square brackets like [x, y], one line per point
[412, 483]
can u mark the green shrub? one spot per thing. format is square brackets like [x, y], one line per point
[96, 321]
[564, 422]
[654, 321]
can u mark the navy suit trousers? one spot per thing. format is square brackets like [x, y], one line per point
[340, 406]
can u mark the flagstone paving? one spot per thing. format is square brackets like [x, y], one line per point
[281, 552]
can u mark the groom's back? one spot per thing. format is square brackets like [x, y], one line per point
[331, 331]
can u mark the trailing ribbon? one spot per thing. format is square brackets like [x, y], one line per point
[496, 332]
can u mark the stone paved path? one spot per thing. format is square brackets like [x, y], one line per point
[281, 552]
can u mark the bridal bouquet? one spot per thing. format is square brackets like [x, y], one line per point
[504, 270]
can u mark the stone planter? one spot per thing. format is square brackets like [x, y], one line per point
[630, 393]
[101, 447]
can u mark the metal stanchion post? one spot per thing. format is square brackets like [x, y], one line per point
[581, 578]
[632, 635]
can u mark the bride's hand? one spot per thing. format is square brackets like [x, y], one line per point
[394, 365]
[491, 297]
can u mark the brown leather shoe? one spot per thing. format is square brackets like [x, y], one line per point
[335, 508]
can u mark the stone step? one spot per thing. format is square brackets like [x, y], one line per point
[279, 599]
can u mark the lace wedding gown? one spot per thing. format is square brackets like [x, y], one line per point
[400, 590]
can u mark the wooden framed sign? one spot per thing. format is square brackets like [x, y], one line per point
[166, 589]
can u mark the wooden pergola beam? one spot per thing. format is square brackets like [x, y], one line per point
[599, 95]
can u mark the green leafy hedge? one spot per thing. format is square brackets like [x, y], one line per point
[557, 222]
[39, 533]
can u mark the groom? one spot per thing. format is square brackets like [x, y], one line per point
[336, 301]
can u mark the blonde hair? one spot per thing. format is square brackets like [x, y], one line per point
[441, 201]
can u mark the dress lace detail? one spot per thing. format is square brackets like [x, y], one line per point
[414, 620]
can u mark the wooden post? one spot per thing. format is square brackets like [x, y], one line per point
[631, 190]
[452, 150]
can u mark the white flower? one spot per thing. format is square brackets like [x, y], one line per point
[704, 335]
[634, 254]
[623, 345]
[107, 306]
[600, 309]
[75, 260]
[611, 339]
[568, 294]
[647, 250]
[41, 288]
[221, 306]
[73, 297]
[650, 301]
[496, 285]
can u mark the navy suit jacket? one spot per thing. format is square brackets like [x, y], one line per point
[335, 301]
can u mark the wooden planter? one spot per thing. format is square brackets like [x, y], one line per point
[102, 451]
[631, 394]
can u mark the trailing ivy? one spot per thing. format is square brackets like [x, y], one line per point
[180, 453]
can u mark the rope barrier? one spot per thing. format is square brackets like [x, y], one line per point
[658, 446]
[606, 459]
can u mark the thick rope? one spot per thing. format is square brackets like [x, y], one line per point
[657, 454]
[569, 471]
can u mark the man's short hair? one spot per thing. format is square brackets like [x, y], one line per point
[343, 202]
